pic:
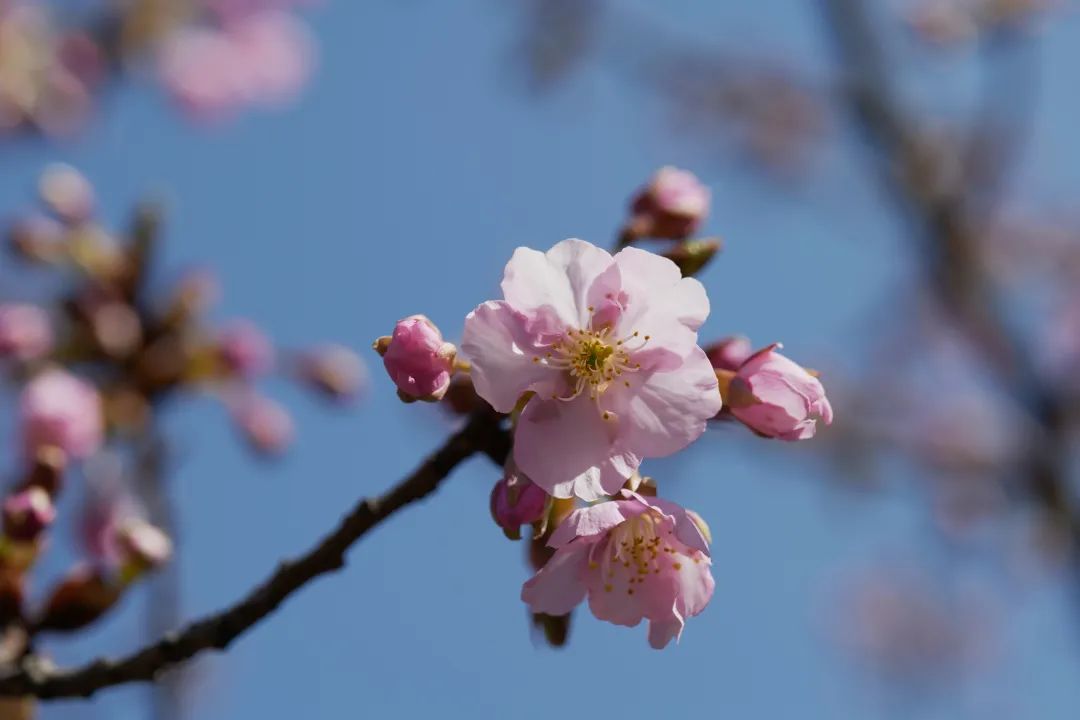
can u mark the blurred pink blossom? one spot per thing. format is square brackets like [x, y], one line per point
[60, 410]
[635, 558]
[244, 349]
[260, 59]
[609, 347]
[265, 424]
[25, 332]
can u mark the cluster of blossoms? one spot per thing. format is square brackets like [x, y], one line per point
[214, 57]
[93, 372]
[595, 359]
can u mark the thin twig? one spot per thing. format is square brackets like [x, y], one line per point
[482, 433]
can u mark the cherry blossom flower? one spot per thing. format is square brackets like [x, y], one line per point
[60, 410]
[244, 349]
[777, 398]
[635, 558]
[605, 351]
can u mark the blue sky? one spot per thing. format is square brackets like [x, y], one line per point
[401, 183]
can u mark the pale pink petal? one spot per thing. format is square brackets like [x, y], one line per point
[663, 412]
[567, 449]
[558, 587]
[560, 279]
[670, 296]
[595, 519]
[502, 352]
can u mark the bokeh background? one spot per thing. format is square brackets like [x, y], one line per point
[425, 149]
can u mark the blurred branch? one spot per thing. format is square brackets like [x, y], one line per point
[482, 433]
[915, 171]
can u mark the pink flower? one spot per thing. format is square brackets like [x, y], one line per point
[729, 353]
[635, 558]
[673, 205]
[608, 348]
[417, 358]
[261, 59]
[777, 398]
[25, 332]
[516, 501]
[244, 349]
[60, 410]
[27, 514]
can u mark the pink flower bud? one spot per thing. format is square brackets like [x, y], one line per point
[729, 353]
[333, 370]
[418, 360]
[67, 193]
[516, 501]
[142, 546]
[60, 410]
[27, 514]
[267, 426]
[25, 332]
[244, 349]
[673, 205]
[776, 398]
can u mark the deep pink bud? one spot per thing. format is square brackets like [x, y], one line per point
[27, 514]
[25, 332]
[673, 205]
[417, 358]
[777, 398]
[244, 349]
[729, 353]
[516, 501]
[267, 426]
[60, 410]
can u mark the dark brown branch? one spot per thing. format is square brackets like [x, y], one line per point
[482, 433]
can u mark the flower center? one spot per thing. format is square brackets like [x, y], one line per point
[593, 362]
[639, 548]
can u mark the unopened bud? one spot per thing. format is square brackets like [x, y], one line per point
[516, 501]
[27, 515]
[60, 410]
[82, 597]
[777, 398]
[693, 255]
[672, 206]
[417, 359]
